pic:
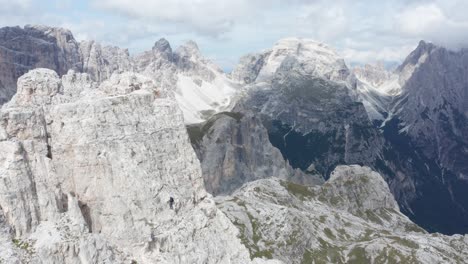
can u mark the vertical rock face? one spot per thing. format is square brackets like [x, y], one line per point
[421, 110]
[428, 125]
[101, 62]
[23, 49]
[234, 148]
[87, 176]
[436, 93]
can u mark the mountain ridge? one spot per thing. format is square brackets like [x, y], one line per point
[113, 137]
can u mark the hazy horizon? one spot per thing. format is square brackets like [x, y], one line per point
[361, 31]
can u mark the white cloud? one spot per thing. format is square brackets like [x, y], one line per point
[421, 19]
[212, 17]
[363, 30]
[7, 6]
[391, 54]
[432, 22]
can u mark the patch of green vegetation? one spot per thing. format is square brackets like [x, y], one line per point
[414, 228]
[405, 242]
[326, 254]
[343, 234]
[382, 257]
[455, 258]
[373, 217]
[238, 202]
[293, 238]
[367, 235]
[335, 200]
[264, 254]
[134, 262]
[322, 198]
[300, 191]
[393, 256]
[385, 232]
[242, 236]
[364, 179]
[17, 242]
[322, 219]
[329, 233]
[256, 235]
[358, 256]
[385, 214]
[22, 245]
[252, 246]
[349, 183]
[307, 257]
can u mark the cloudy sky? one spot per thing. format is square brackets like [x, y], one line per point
[360, 30]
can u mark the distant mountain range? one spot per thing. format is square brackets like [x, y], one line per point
[307, 159]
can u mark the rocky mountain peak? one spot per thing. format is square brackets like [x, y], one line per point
[315, 59]
[359, 189]
[374, 74]
[189, 49]
[162, 46]
[36, 88]
[56, 32]
[416, 58]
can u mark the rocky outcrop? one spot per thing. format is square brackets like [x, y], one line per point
[375, 74]
[249, 67]
[101, 62]
[352, 218]
[23, 49]
[234, 148]
[200, 87]
[87, 175]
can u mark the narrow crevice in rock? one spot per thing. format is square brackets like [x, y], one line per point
[86, 212]
[49, 151]
[62, 202]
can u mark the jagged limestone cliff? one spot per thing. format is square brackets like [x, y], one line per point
[87, 175]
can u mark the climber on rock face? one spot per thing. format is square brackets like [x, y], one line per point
[171, 202]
